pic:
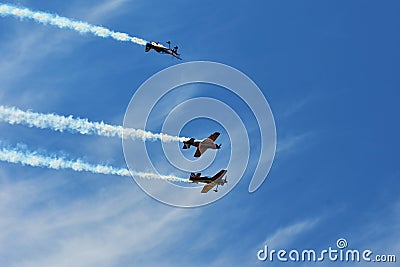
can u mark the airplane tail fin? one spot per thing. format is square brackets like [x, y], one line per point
[148, 47]
[194, 177]
[218, 146]
[188, 143]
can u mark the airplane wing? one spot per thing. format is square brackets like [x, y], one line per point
[214, 136]
[197, 153]
[208, 187]
[218, 178]
[201, 149]
[219, 175]
[176, 55]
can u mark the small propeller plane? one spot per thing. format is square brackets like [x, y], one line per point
[202, 146]
[210, 182]
[162, 49]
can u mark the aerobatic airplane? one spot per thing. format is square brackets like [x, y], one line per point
[162, 49]
[202, 146]
[210, 182]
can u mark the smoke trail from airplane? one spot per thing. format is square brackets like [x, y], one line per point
[34, 159]
[62, 22]
[60, 123]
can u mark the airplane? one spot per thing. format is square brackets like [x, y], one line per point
[162, 49]
[202, 146]
[210, 182]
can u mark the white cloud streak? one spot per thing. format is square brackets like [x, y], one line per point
[286, 235]
[114, 226]
[62, 22]
[292, 143]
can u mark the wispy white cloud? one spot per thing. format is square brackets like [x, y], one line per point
[293, 142]
[20, 59]
[105, 9]
[299, 105]
[286, 235]
[106, 228]
[380, 235]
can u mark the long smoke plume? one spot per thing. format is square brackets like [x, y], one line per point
[59, 123]
[34, 159]
[62, 22]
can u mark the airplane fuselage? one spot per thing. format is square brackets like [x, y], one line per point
[206, 145]
[209, 182]
[203, 145]
[162, 49]
[204, 180]
[196, 144]
[196, 178]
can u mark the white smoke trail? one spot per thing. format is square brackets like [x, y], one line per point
[76, 125]
[62, 22]
[34, 159]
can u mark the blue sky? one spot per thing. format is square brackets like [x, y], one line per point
[329, 71]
